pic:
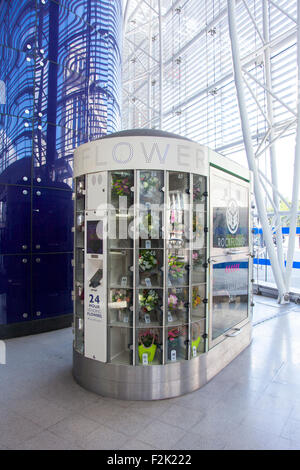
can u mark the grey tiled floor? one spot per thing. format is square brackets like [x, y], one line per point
[252, 404]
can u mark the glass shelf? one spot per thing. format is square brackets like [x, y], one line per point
[199, 193]
[120, 231]
[119, 345]
[199, 235]
[199, 259]
[150, 225]
[120, 268]
[119, 286]
[179, 188]
[177, 318]
[197, 345]
[143, 322]
[151, 244]
[123, 324]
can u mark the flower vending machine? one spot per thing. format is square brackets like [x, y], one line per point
[145, 308]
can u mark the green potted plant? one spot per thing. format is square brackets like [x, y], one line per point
[196, 338]
[148, 341]
[173, 341]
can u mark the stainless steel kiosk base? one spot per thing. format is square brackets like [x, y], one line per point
[161, 381]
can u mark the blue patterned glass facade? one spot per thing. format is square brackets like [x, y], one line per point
[60, 85]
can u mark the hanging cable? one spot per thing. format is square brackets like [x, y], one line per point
[179, 70]
[214, 75]
[206, 68]
[220, 75]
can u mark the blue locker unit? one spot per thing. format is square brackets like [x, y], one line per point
[15, 292]
[52, 220]
[15, 226]
[52, 285]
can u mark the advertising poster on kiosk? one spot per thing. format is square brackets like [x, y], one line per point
[95, 298]
[230, 252]
[230, 207]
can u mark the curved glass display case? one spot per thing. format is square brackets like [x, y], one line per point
[148, 301]
[156, 263]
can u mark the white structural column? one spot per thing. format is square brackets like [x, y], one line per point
[238, 76]
[269, 99]
[296, 180]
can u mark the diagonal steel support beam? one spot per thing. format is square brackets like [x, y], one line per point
[273, 187]
[270, 111]
[276, 97]
[238, 77]
[283, 11]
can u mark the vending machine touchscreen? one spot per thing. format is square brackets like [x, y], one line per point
[94, 238]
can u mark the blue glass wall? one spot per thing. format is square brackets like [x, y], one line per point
[60, 71]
